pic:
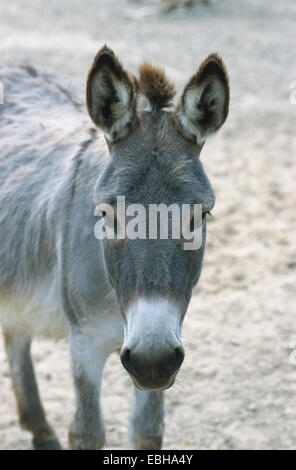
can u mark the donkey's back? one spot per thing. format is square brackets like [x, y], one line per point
[41, 114]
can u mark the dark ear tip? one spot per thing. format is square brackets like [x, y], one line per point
[106, 50]
[213, 64]
[104, 56]
[215, 57]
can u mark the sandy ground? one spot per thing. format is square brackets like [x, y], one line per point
[237, 387]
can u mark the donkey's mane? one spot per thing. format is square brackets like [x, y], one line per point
[155, 85]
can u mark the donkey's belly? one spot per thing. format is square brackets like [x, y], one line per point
[36, 312]
[39, 312]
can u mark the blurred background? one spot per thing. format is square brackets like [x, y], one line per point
[237, 387]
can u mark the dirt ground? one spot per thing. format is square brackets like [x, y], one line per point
[237, 387]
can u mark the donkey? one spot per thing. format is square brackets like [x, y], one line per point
[56, 278]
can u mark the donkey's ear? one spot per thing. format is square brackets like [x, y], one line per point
[111, 95]
[203, 106]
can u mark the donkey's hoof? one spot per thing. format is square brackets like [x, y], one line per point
[147, 442]
[52, 444]
[86, 441]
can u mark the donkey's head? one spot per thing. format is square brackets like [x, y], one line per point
[154, 159]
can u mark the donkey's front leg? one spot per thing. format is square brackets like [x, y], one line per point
[147, 423]
[88, 358]
[31, 414]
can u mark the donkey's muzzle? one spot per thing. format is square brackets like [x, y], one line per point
[153, 368]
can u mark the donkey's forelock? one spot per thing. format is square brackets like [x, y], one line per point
[155, 86]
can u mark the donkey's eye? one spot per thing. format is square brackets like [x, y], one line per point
[194, 222]
[110, 222]
[108, 218]
[193, 219]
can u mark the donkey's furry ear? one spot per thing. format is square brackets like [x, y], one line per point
[111, 95]
[204, 104]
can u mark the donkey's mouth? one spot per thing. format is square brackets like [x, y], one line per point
[153, 389]
[154, 386]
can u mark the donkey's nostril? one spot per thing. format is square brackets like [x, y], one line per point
[126, 354]
[180, 354]
[125, 357]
